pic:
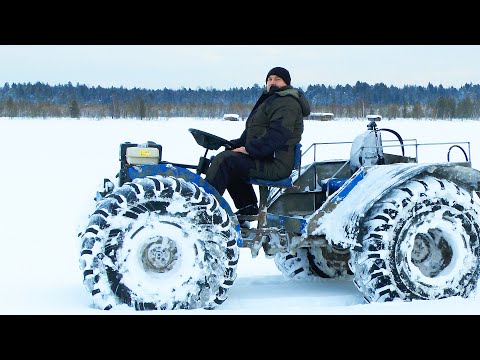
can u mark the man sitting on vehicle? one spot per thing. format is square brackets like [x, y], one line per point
[265, 150]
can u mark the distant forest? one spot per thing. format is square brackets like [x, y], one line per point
[43, 100]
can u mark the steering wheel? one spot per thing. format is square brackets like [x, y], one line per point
[210, 141]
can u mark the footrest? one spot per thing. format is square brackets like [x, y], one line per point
[282, 183]
[247, 217]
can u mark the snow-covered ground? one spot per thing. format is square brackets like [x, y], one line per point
[52, 168]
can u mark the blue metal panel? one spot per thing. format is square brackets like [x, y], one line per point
[289, 223]
[348, 186]
[141, 171]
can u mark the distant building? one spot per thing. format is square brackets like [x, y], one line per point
[374, 117]
[320, 116]
[232, 117]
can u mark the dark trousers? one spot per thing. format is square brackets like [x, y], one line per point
[227, 172]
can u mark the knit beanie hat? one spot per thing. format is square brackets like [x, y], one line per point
[281, 73]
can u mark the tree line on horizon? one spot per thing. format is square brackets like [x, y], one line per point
[43, 100]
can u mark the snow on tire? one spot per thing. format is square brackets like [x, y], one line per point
[420, 241]
[159, 243]
[325, 262]
[329, 261]
[294, 266]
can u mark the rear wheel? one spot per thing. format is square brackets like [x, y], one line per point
[159, 243]
[420, 241]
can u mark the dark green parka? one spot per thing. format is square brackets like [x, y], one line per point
[272, 130]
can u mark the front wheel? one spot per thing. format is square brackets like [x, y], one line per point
[420, 241]
[159, 243]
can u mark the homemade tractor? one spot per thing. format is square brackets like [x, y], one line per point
[162, 238]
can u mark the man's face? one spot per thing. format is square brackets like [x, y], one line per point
[275, 80]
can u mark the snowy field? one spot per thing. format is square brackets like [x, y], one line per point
[52, 168]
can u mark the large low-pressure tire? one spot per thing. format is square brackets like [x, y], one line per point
[294, 266]
[325, 262]
[420, 241]
[159, 243]
[329, 261]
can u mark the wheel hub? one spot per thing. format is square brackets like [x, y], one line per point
[431, 253]
[159, 255]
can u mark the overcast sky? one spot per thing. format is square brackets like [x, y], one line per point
[229, 66]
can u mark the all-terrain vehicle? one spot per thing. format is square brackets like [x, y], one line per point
[163, 238]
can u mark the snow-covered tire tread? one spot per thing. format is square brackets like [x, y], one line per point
[419, 241]
[177, 217]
